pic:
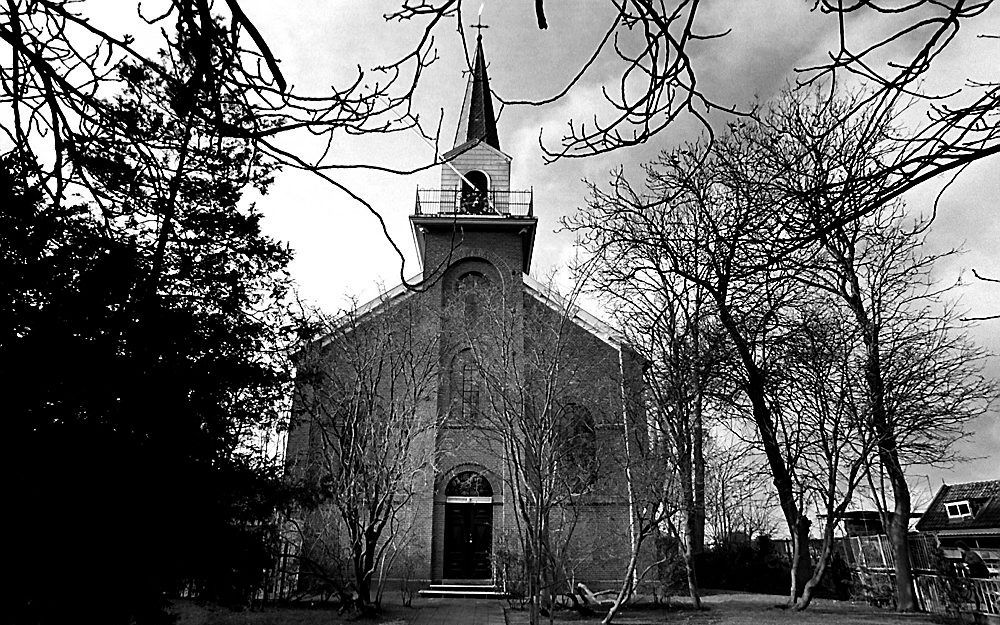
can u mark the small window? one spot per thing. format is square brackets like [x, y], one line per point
[958, 509]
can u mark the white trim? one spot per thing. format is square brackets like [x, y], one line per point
[986, 531]
[468, 500]
[958, 514]
[578, 315]
[489, 179]
[468, 145]
[398, 292]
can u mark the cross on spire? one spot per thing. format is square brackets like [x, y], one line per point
[479, 26]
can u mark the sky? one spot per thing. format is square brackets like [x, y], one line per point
[340, 251]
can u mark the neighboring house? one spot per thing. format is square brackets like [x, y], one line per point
[868, 522]
[475, 233]
[966, 515]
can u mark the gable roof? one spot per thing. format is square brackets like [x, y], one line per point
[468, 145]
[397, 293]
[578, 315]
[985, 500]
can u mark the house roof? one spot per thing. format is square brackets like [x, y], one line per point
[536, 289]
[578, 315]
[395, 294]
[468, 145]
[477, 122]
[984, 498]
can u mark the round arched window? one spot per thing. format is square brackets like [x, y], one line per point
[475, 193]
[469, 288]
[468, 484]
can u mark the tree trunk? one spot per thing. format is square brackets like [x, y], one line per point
[697, 527]
[755, 388]
[692, 579]
[898, 526]
[906, 598]
[625, 592]
[803, 564]
[805, 598]
[687, 541]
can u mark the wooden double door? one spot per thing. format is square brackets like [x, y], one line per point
[468, 540]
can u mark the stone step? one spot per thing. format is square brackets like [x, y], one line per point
[466, 591]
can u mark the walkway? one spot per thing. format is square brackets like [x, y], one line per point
[434, 611]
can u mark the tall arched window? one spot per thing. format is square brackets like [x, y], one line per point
[578, 451]
[466, 381]
[471, 379]
[475, 193]
[469, 288]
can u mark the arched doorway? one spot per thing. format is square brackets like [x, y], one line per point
[468, 527]
[475, 193]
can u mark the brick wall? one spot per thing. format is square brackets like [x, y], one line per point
[594, 374]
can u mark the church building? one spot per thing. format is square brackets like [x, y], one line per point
[479, 452]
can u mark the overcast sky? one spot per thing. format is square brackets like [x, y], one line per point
[339, 248]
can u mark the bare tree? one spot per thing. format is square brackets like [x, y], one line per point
[710, 221]
[221, 83]
[739, 503]
[552, 397]
[667, 318]
[822, 420]
[655, 500]
[874, 267]
[365, 395]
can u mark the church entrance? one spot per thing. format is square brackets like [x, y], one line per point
[468, 527]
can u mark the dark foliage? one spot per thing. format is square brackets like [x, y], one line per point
[757, 566]
[748, 566]
[125, 406]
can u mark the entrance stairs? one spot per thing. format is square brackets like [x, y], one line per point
[464, 589]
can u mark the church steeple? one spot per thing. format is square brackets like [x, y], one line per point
[477, 121]
[474, 212]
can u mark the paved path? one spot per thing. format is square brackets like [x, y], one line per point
[435, 611]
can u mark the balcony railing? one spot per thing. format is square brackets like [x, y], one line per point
[465, 202]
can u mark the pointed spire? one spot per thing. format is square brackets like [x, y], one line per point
[478, 121]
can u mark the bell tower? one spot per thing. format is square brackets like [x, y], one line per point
[474, 209]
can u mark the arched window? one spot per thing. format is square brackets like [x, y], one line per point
[467, 381]
[469, 288]
[475, 193]
[471, 380]
[578, 457]
[468, 484]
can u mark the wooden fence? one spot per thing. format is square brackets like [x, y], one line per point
[958, 595]
[872, 564]
[874, 553]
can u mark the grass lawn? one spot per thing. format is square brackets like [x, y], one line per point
[197, 613]
[723, 609]
[749, 609]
